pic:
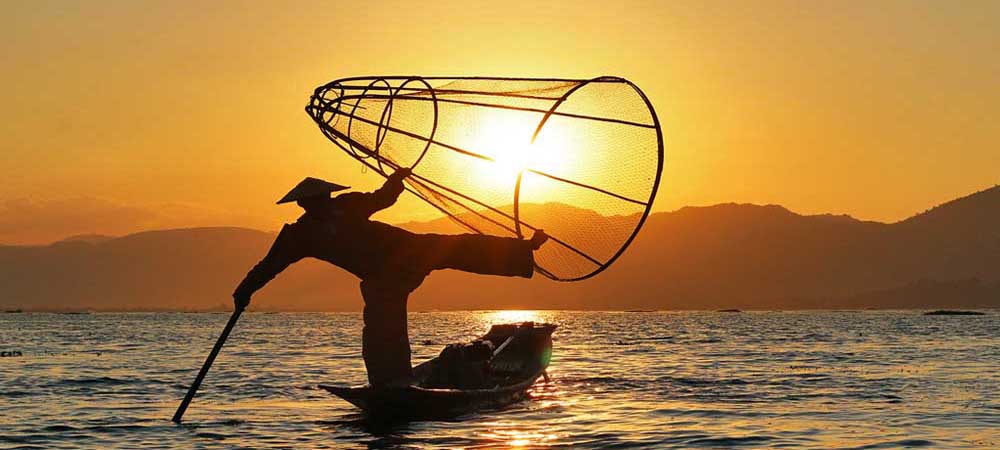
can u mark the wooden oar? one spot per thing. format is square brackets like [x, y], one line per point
[208, 363]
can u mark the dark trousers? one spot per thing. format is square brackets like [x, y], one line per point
[385, 342]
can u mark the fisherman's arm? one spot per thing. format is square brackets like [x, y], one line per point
[387, 195]
[282, 254]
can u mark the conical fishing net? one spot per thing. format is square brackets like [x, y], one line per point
[580, 159]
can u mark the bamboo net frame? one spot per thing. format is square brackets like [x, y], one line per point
[592, 198]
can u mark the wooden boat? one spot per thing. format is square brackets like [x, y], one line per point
[521, 354]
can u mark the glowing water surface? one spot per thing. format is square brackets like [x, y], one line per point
[619, 380]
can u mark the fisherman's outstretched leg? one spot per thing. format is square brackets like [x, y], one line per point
[385, 341]
[477, 253]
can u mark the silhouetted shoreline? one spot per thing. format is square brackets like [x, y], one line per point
[949, 312]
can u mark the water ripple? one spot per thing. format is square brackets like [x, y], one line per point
[864, 380]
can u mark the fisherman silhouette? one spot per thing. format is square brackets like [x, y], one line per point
[391, 262]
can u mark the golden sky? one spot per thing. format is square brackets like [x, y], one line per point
[875, 109]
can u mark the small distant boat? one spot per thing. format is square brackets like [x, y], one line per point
[13, 311]
[731, 310]
[522, 353]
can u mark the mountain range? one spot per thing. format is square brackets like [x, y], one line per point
[722, 256]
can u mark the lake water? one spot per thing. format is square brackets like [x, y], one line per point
[618, 380]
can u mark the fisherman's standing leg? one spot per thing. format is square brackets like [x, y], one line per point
[385, 341]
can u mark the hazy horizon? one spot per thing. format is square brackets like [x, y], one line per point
[107, 218]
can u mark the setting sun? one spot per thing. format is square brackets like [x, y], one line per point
[506, 139]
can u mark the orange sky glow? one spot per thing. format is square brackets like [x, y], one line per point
[191, 113]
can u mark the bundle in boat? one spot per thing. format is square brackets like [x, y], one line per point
[517, 356]
[580, 159]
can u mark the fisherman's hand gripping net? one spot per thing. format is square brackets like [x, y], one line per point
[580, 159]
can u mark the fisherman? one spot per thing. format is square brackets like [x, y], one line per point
[391, 262]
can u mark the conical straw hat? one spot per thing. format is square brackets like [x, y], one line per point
[311, 187]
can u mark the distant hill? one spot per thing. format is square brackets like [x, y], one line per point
[88, 238]
[715, 257]
[185, 269]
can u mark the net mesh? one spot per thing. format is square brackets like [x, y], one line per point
[580, 159]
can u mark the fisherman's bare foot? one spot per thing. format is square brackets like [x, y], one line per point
[538, 239]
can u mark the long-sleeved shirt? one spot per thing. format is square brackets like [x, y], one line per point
[338, 232]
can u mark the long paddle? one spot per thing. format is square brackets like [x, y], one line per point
[208, 363]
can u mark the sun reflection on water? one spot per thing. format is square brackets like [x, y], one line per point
[511, 435]
[513, 315]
